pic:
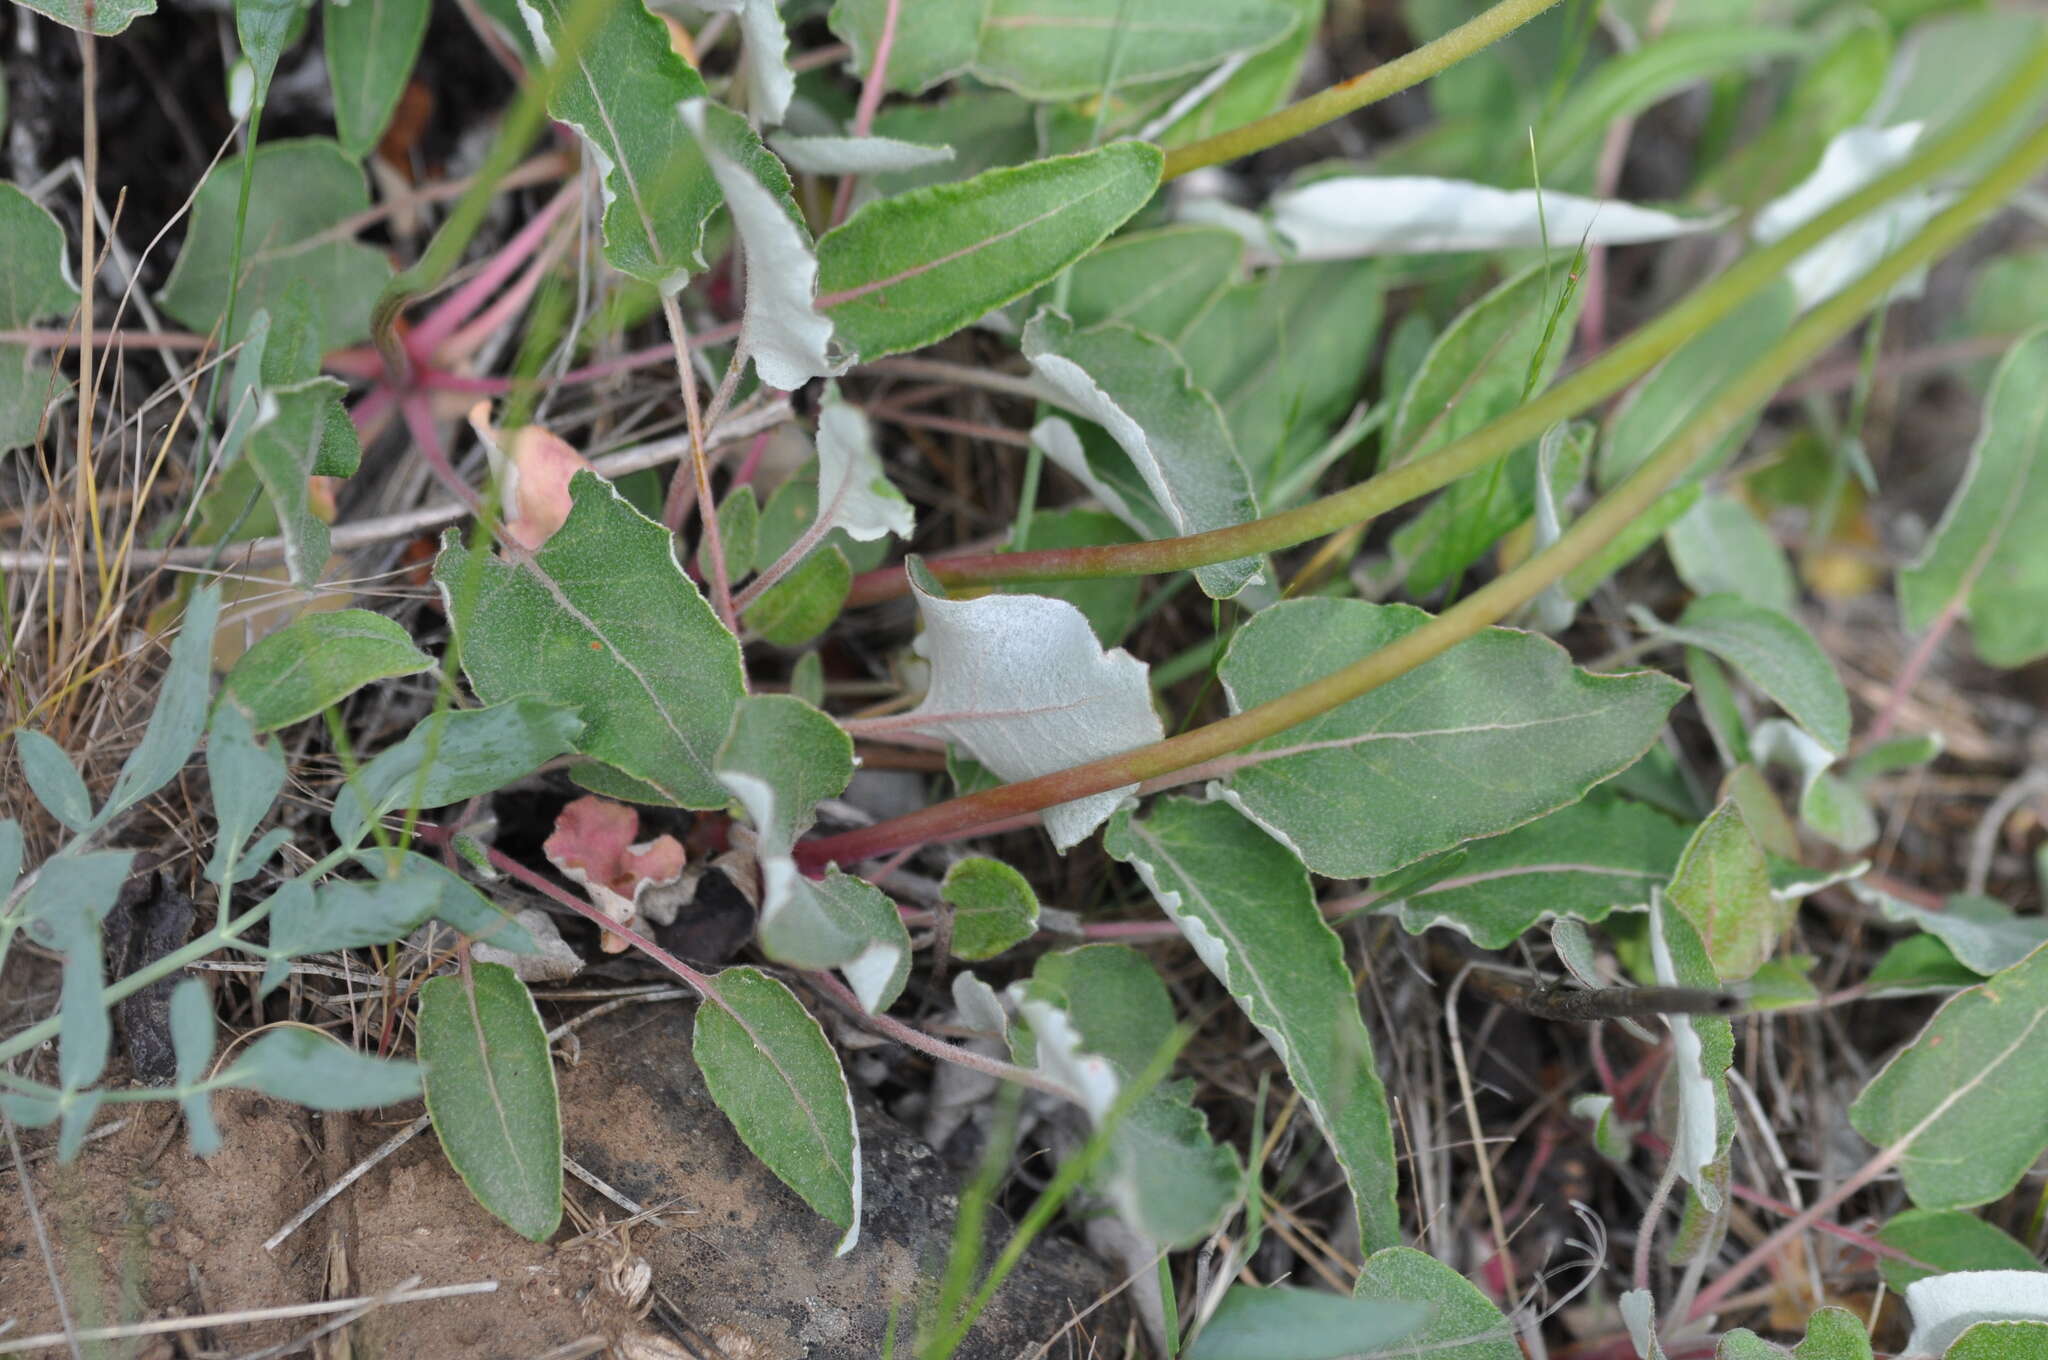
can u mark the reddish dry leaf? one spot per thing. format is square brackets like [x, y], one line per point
[535, 469]
[593, 845]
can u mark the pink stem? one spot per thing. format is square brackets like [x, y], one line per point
[372, 410]
[1909, 675]
[624, 363]
[471, 337]
[445, 319]
[937, 1048]
[419, 419]
[750, 464]
[871, 92]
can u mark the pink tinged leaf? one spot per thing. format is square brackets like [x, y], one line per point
[593, 844]
[535, 466]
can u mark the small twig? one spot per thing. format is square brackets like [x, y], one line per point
[1984, 841]
[69, 1337]
[576, 1169]
[15, 1345]
[699, 466]
[893, 1028]
[348, 1178]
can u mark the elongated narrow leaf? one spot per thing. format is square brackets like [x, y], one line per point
[602, 617]
[1494, 733]
[371, 46]
[787, 338]
[35, 284]
[1076, 49]
[620, 90]
[770, 82]
[1984, 935]
[245, 777]
[1283, 1322]
[192, 1046]
[70, 897]
[491, 1092]
[317, 660]
[1168, 1180]
[908, 270]
[856, 155]
[1703, 1048]
[1463, 1323]
[343, 915]
[1852, 159]
[178, 719]
[307, 1068]
[1984, 562]
[1172, 432]
[1021, 682]
[1348, 216]
[1966, 1103]
[1773, 653]
[781, 758]
[53, 779]
[456, 755]
[1246, 906]
[774, 1074]
[1582, 862]
[299, 192]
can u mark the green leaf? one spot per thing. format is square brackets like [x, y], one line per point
[603, 618]
[307, 1068]
[455, 755]
[35, 284]
[803, 604]
[1280, 1322]
[855, 495]
[245, 777]
[786, 338]
[621, 93]
[1830, 806]
[2001, 1340]
[1722, 885]
[53, 779]
[1077, 49]
[192, 1046]
[1966, 1103]
[1285, 355]
[1982, 934]
[456, 903]
[343, 915]
[1109, 604]
[1581, 862]
[1773, 653]
[1984, 562]
[299, 192]
[320, 659]
[1833, 91]
[178, 719]
[1136, 387]
[104, 17]
[781, 759]
[1246, 905]
[1501, 347]
[1160, 282]
[371, 47]
[1743, 1344]
[1947, 1240]
[1703, 1049]
[908, 270]
[982, 128]
[63, 908]
[935, 45]
[265, 28]
[739, 535]
[1169, 1182]
[1919, 963]
[1463, 1323]
[993, 907]
[1496, 732]
[774, 1074]
[491, 1092]
[1721, 547]
[1833, 1334]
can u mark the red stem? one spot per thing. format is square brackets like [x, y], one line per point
[870, 102]
[466, 301]
[419, 420]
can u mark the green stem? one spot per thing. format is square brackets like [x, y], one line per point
[1597, 380]
[1326, 106]
[1587, 536]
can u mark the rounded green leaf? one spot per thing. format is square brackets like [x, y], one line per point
[317, 660]
[491, 1092]
[993, 907]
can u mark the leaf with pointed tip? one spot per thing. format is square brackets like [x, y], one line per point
[63, 909]
[856, 155]
[371, 46]
[1984, 560]
[1246, 906]
[772, 1071]
[53, 779]
[602, 617]
[1137, 388]
[1703, 1048]
[1981, 933]
[178, 719]
[855, 495]
[192, 1045]
[490, 1087]
[319, 659]
[1168, 1181]
[299, 192]
[1074, 49]
[1948, 1240]
[343, 915]
[1021, 682]
[993, 907]
[1582, 862]
[1965, 1105]
[620, 90]
[1496, 732]
[1463, 1323]
[1721, 547]
[245, 777]
[1283, 1322]
[787, 339]
[1723, 887]
[307, 1068]
[455, 755]
[1773, 653]
[907, 270]
[35, 283]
